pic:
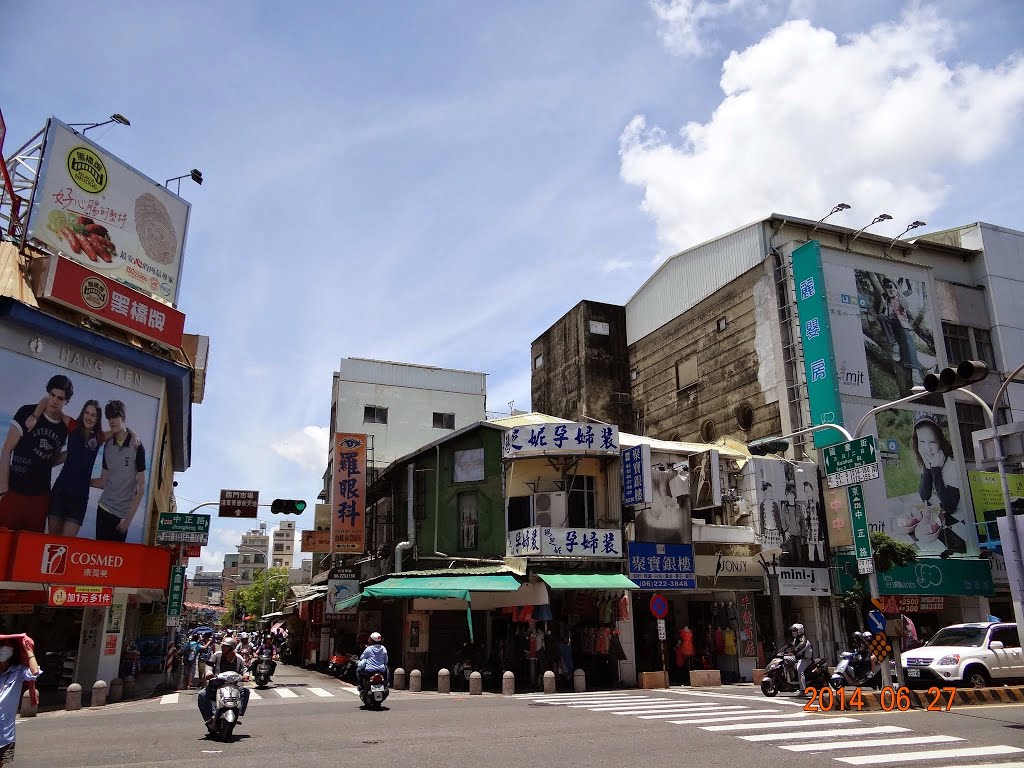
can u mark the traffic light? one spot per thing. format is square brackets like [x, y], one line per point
[768, 445]
[288, 507]
[948, 379]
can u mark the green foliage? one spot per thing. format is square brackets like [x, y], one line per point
[853, 600]
[253, 600]
[889, 552]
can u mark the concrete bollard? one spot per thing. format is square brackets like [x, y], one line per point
[99, 694]
[399, 684]
[73, 699]
[415, 681]
[508, 684]
[28, 709]
[129, 687]
[579, 681]
[444, 681]
[476, 684]
[549, 682]
[116, 691]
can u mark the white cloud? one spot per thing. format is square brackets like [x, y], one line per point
[878, 120]
[307, 448]
[683, 24]
[613, 265]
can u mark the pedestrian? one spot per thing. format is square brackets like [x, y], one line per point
[123, 479]
[204, 654]
[17, 666]
[191, 653]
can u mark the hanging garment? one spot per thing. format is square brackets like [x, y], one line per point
[720, 640]
[730, 642]
[624, 607]
[617, 651]
[604, 641]
[686, 642]
[567, 661]
[542, 613]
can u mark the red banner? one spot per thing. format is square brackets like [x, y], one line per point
[81, 597]
[45, 559]
[193, 550]
[112, 302]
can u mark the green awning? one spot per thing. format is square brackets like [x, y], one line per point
[587, 581]
[457, 587]
[348, 602]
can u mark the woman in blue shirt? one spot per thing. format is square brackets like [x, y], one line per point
[17, 666]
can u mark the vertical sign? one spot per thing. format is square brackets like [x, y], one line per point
[348, 494]
[636, 475]
[861, 534]
[816, 335]
[747, 634]
[176, 591]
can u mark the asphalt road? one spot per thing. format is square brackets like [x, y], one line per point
[307, 719]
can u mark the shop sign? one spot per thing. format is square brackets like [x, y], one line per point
[110, 645]
[48, 559]
[340, 589]
[564, 542]
[348, 494]
[316, 541]
[193, 550]
[636, 475]
[571, 439]
[176, 592]
[728, 565]
[239, 504]
[927, 576]
[80, 597]
[96, 295]
[893, 604]
[837, 517]
[27, 596]
[747, 636]
[661, 566]
[19, 609]
[183, 528]
[803, 581]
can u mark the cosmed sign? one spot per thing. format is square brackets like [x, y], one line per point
[97, 210]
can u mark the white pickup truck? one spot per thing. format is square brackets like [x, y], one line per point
[973, 655]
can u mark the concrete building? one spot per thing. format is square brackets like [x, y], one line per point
[252, 555]
[284, 545]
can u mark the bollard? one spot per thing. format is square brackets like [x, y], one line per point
[579, 681]
[444, 681]
[73, 700]
[476, 684]
[28, 709]
[508, 684]
[129, 687]
[99, 694]
[399, 684]
[415, 681]
[549, 682]
[116, 690]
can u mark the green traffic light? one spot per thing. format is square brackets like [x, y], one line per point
[300, 506]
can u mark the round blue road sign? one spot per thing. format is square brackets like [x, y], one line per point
[659, 606]
[876, 622]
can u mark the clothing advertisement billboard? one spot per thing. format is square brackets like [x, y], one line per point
[884, 330]
[77, 452]
[667, 519]
[99, 211]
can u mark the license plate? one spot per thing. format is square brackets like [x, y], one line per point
[378, 689]
[913, 673]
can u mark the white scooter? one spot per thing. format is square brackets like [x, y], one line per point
[227, 705]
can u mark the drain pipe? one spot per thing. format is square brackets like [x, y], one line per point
[437, 519]
[411, 542]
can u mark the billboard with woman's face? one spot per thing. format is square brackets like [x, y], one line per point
[68, 475]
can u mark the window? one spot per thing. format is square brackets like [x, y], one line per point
[582, 502]
[469, 522]
[708, 431]
[721, 323]
[279, 547]
[245, 576]
[538, 361]
[686, 374]
[602, 329]
[519, 511]
[983, 345]
[469, 466]
[963, 343]
[971, 418]
[1007, 636]
[622, 398]
[374, 414]
[277, 563]
[444, 420]
[247, 559]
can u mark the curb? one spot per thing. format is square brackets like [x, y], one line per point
[938, 699]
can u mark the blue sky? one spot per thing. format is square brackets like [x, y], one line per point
[438, 182]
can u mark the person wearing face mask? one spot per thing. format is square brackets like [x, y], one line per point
[17, 666]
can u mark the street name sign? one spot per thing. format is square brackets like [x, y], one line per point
[180, 528]
[239, 503]
[859, 517]
[852, 462]
[176, 592]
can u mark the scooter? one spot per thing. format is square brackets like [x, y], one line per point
[263, 669]
[227, 705]
[373, 692]
[854, 669]
[780, 674]
[343, 667]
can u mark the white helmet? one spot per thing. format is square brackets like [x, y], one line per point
[376, 638]
[797, 629]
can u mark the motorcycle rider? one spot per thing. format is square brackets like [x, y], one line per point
[802, 652]
[245, 649]
[268, 645]
[373, 659]
[226, 660]
[861, 646]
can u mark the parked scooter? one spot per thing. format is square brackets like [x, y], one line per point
[780, 674]
[264, 667]
[373, 692]
[227, 705]
[468, 660]
[343, 666]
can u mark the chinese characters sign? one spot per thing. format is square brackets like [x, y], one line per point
[100, 297]
[748, 639]
[316, 541]
[573, 438]
[564, 542]
[102, 213]
[183, 528]
[176, 591]
[816, 335]
[861, 536]
[348, 494]
[662, 566]
[239, 503]
[80, 597]
[636, 475]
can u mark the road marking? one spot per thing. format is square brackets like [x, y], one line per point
[763, 712]
[286, 693]
[985, 765]
[679, 709]
[765, 699]
[169, 698]
[780, 724]
[652, 704]
[749, 715]
[253, 696]
[870, 743]
[321, 693]
[938, 754]
[819, 734]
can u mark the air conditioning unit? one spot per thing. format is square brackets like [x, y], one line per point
[551, 509]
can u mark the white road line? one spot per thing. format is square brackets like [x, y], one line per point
[253, 696]
[984, 765]
[765, 699]
[566, 702]
[818, 734]
[285, 693]
[559, 698]
[680, 710]
[629, 704]
[687, 708]
[169, 698]
[749, 715]
[870, 743]
[764, 712]
[780, 724]
[321, 693]
[937, 754]
[580, 695]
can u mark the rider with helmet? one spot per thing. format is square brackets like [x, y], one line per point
[226, 660]
[373, 659]
[802, 652]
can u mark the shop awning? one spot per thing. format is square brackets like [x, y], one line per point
[347, 603]
[587, 581]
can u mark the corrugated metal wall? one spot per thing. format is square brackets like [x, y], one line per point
[691, 276]
[414, 376]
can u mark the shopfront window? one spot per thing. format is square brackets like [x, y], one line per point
[582, 502]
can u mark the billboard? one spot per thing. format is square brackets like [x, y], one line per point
[348, 494]
[73, 483]
[573, 438]
[987, 494]
[99, 211]
[667, 519]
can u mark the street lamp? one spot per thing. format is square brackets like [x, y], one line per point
[838, 207]
[114, 118]
[910, 226]
[195, 174]
[876, 220]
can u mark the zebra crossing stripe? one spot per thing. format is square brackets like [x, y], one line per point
[749, 715]
[875, 729]
[936, 754]
[169, 698]
[285, 693]
[692, 713]
[788, 723]
[870, 743]
[652, 704]
[680, 710]
[253, 696]
[321, 693]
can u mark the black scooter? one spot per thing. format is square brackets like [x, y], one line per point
[264, 667]
[780, 674]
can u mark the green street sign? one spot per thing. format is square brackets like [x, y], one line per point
[851, 462]
[861, 533]
[180, 528]
[176, 592]
[927, 576]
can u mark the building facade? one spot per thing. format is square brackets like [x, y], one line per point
[284, 545]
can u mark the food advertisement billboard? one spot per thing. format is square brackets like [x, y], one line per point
[99, 211]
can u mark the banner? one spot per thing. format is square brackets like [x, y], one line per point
[577, 438]
[80, 597]
[987, 495]
[636, 475]
[667, 519]
[99, 211]
[348, 494]
[927, 576]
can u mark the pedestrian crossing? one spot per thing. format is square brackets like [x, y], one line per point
[272, 695]
[782, 723]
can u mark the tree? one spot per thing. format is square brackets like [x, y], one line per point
[251, 599]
